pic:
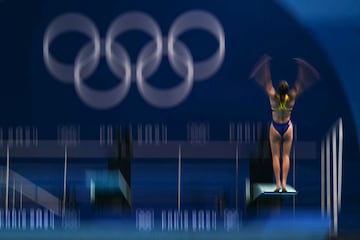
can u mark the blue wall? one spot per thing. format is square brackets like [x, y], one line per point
[335, 28]
[31, 95]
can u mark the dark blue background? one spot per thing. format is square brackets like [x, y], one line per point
[32, 96]
[283, 29]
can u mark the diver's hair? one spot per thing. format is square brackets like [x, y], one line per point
[283, 88]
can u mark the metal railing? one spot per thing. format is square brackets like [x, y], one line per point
[331, 174]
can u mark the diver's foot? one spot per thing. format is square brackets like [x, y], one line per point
[284, 189]
[277, 189]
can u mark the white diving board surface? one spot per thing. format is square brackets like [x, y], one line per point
[260, 189]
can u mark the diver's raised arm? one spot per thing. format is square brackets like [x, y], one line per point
[307, 76]
[262, 75]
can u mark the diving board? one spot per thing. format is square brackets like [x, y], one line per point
[108, 181]
[265, 189]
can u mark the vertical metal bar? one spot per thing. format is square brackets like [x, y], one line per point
[7, 181]
[237, 176]
[334, 157]
[156, 134]
[21, 197]
[165, 133]
[13, 195]
[179, 180]
[36, 137]
[65, 176]
[239, 132]
[110, 134]
[328, 196]
[247, 132]
[147, 133]
[139, 134]
[253, 132]
[322, 197]
[340, 161]
[1, 137]
[101, 135]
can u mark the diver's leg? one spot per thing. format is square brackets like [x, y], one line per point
[275, 140]
[287, 142]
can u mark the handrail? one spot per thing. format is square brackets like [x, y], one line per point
[32, 191]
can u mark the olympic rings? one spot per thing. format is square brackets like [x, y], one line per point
[148, 60]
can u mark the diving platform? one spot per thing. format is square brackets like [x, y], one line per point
[267, 189]
[108, 183]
